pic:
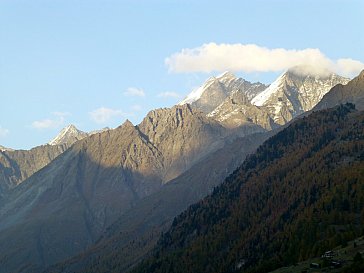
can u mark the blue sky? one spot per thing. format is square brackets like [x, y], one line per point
[95, 63]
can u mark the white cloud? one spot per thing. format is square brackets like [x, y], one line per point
[253, 58]
[134, 92]
[103, 114]
[51, 123]
[168, 95]
[3, 132]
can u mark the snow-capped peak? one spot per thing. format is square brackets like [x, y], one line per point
[296, 91]
[69, 135]
[226, 75]
[261, 98]
[197, 92]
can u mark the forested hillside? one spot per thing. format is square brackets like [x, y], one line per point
[300, 194]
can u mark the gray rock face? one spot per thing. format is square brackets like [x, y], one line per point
[216, 89]
[352, 92]
[296, 92]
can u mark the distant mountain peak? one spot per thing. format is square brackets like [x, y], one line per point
[68, 135]
[226, 75]
[216, 89]
[297, 90]
[3, 149]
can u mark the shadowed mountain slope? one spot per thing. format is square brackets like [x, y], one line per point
[284, 204]
[136, 232]
[62, 209]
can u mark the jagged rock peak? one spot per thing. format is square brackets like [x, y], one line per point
[68, 135]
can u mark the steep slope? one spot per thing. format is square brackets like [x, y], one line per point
[286, 203]
[18, 165]
[68, 135]
[135, 233]
[237, 111]
[352, 92]
[295, 92]
[63, 208]
[216, 89]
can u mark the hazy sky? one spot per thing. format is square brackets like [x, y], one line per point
[95, 63]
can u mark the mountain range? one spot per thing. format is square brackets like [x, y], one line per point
[107, 195]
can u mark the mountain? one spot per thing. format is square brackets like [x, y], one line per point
[296, 91]
[216, 89]
[64, 207]
[68, 135]
[130, 239]
[296, 197]
[352, 92]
